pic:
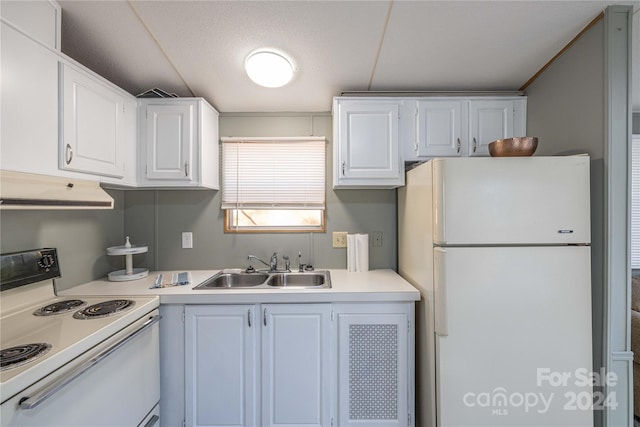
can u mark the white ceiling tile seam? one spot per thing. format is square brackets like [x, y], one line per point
[384, 32]
[164, 52]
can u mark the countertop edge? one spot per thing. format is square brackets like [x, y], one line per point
[383, 285]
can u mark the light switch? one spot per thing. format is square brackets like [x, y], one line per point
[187, 240]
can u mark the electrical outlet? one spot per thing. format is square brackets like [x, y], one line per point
[187, 240]
[339, 239]
[376, 237]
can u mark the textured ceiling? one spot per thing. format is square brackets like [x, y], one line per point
[197, 48]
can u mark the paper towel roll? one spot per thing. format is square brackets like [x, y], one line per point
[351, 252]
[358, 252]
[362, 252]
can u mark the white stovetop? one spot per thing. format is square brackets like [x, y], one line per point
[68, 337]
[374, 285]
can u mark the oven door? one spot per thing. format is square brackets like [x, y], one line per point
[115, 384]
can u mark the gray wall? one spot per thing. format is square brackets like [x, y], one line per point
[566, 110]
[158, 218]
[81, 238]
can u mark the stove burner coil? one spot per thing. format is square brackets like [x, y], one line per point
[21, 354]
[104, 309]
[59, 307]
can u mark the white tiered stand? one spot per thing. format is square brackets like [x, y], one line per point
[129, 273]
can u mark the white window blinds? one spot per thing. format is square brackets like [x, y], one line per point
[273, 173]
[635, 201]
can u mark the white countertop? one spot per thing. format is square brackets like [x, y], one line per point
[370, 286]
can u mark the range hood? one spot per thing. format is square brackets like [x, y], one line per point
[19, 190]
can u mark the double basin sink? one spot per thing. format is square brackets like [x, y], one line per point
[273, 280]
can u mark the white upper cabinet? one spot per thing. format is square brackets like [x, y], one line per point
[178, 143]
[29, 104]
[490, 120]
[92, 134]
[374, 136]
[39, 19]
[81, 126]
[439, 127]
[460, 127]
[367, 143]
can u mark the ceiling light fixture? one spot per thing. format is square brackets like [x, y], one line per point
[268, 68]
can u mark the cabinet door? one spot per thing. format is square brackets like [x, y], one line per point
[367, 151]
[28, 104]
[39, 19]
[295, 365]
[169, 141]
[91, 136]
[373, 365]
[220, 370]
[438, 128]
[489, 120]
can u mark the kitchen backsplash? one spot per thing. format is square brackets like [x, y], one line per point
[158, 218]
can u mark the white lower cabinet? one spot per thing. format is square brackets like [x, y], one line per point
[288, 365]
[296, 378]
[221, 375]
[228, 346]
[374, 359]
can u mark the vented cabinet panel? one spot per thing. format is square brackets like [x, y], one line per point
[373, 372]
[373, 368]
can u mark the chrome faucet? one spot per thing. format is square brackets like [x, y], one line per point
[250, 257]
[273, 262]
[273, 265]
[287, 263]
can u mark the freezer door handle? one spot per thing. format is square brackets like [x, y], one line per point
[440, 292]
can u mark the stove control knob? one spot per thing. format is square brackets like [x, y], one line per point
[46, 262]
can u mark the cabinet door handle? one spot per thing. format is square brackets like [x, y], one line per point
[343, 168]
[249, 317]
[186, 169]
[458, 145]
[264, 316]
[475, 145]
[69, 154]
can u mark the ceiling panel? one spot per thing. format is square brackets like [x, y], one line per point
[475, 45]
[330, 43]
[107, 37]
[199, 47]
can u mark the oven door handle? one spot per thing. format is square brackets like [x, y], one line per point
[35, 400]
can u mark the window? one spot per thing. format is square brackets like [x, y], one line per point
[273, 184]
[635, 201]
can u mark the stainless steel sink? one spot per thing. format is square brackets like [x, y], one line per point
[233, 280]
[276, 280]
[315, 279]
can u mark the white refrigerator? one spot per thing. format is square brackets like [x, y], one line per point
[500, 251]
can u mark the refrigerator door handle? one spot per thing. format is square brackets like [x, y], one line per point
[440, 292]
